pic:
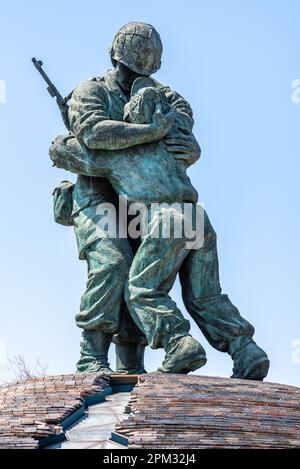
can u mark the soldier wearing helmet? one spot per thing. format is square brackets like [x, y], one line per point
[96, 118]
[137, 46]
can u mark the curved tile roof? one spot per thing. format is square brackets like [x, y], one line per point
[33, 410]
[177, 411]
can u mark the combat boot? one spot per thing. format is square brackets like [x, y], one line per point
[130, 358]
[183, 354]
[249, 360]
[94, 352]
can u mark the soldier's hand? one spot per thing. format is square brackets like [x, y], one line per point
[177, 131]
[183, 147]
[162, 123]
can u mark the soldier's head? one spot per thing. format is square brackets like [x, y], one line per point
[136, 51]
[145, 97]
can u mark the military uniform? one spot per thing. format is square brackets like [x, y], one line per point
[109, 260]
[93, 101]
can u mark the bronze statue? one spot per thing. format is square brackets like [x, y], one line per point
[132, 137]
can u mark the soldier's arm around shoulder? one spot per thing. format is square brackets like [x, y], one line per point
[91, 123]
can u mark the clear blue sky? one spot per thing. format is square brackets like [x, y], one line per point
[234, 61]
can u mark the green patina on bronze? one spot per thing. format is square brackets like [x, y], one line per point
[132, 137]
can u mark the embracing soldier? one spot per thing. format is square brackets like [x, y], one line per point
[146, 162]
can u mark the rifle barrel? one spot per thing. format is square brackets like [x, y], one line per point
[38, 65]
[53, 91]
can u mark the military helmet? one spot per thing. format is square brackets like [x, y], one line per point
[138, 46]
